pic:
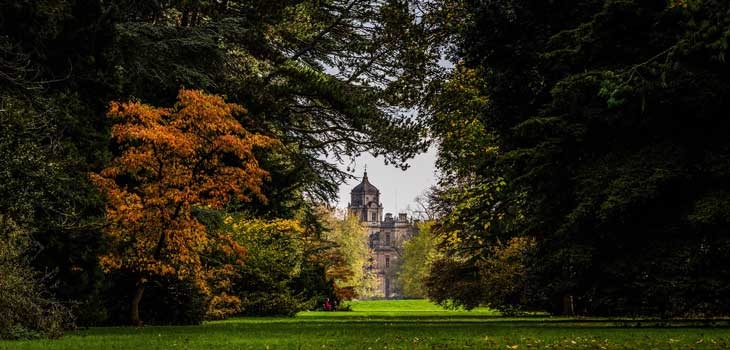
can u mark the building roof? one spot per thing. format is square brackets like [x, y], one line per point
[365, 186]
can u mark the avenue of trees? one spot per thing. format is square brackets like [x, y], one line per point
[166, 162]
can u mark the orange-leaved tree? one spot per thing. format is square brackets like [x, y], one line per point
[171, 160]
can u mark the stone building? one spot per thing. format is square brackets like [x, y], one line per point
[386, 235]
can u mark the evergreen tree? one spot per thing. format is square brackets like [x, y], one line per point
[606, 127]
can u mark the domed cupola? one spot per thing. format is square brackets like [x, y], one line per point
[365, 201]
[365, 187]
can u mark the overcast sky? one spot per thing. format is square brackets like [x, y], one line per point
[398, 188]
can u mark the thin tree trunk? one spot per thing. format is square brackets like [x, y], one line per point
[139, 287]
[194, 17]
[568, 306]
[134, 310]
[184, 21]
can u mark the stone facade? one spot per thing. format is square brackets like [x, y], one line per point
[386, 235]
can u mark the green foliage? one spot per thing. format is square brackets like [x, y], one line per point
[26, 157]
[51, 133]
[271, 58]
[348, 256]
[28, 312]
[504, 275]
[313, 285]
[454, 282]
[275, 259]
[419, 253]
[498, 280]
[274, 304]
[603, 137]
[41, 196]
[287, 268]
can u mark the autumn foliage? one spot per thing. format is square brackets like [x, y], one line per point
[171, 160]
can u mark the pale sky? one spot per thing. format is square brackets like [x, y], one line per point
[398, 188]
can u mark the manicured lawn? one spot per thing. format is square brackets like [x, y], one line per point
[400, 308]
[393, 325]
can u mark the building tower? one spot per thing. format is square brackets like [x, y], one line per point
[365, 202]
[385, 236]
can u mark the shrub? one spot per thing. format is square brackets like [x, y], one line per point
[27, 311]
[273, 304]
[504, 276]
[499, 281]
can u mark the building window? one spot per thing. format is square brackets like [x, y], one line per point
[374, 216]
[387, 238]
[387, 261]
[387, 287]
[375, 236]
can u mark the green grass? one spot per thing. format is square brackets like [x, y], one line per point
[399, 308]
[392, 325]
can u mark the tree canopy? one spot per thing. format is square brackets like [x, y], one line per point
[582, 149]
[600, 130]
[195, 154]
[328, 80]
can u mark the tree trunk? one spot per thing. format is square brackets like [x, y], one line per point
[568, 306]
[194, 17]
[184, 21]
[134, 310]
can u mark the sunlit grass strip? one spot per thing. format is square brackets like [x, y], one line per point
[398, 308]
[411, 305]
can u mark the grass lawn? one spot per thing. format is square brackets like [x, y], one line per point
[392, 325]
